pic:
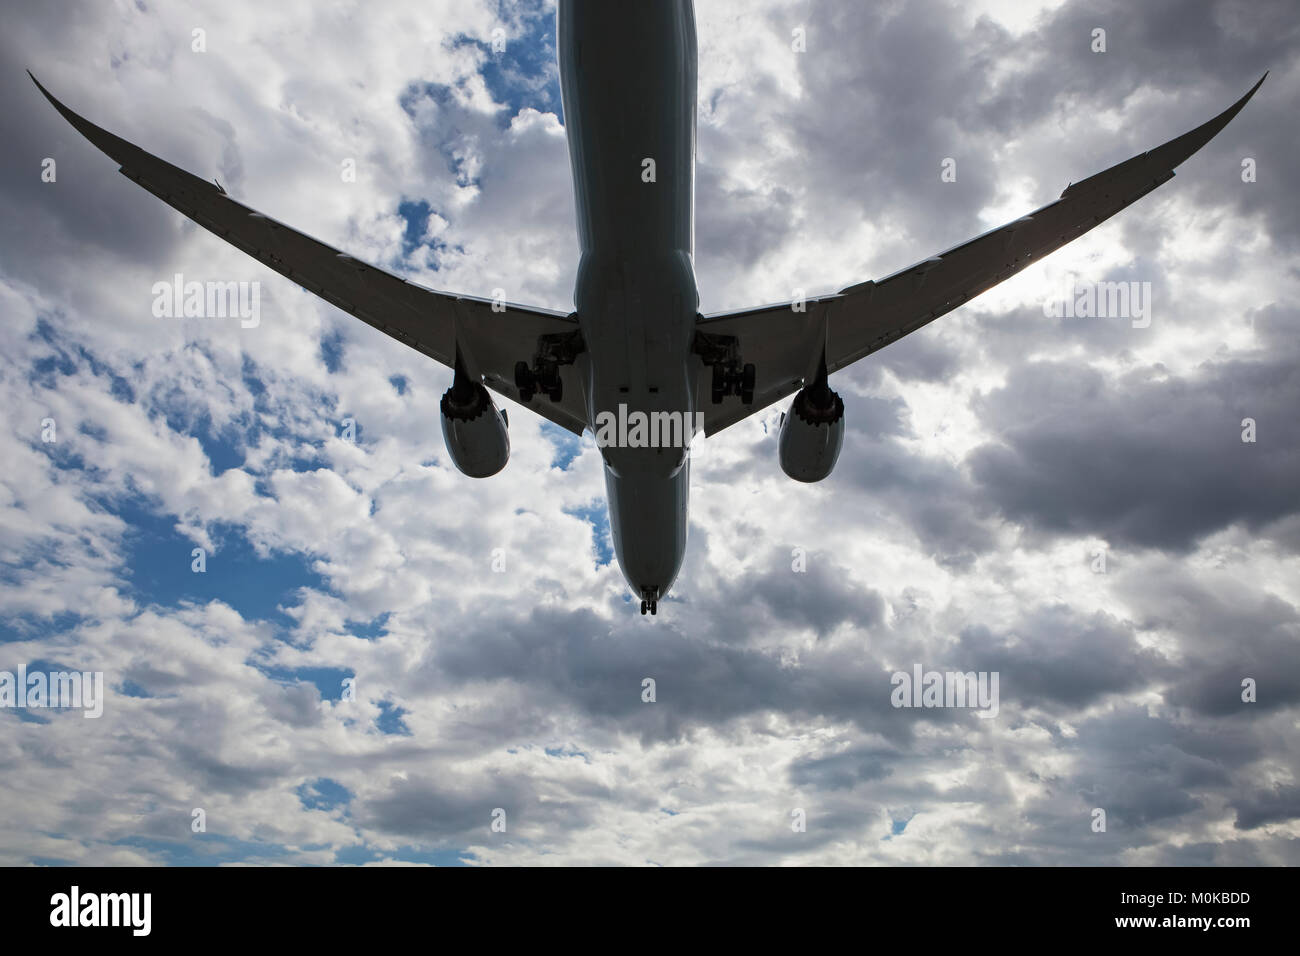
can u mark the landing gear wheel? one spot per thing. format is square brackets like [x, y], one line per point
[556, 390]
[524, 382]
[644, 605]
[747, 380]
[654, 607]
[719, 384]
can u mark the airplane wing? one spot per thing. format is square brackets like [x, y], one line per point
[427, 321]
[784, 341]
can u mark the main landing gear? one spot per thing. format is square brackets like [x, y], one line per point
[546, 379]
[650, 600]
[543, 373]
[731, 375]
[732, 379]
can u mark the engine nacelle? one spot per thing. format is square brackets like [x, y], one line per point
[475, 430]
[812, 433]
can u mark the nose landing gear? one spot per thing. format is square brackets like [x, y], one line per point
[650, 600]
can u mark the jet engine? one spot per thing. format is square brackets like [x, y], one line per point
[812, 433]
[475, 430]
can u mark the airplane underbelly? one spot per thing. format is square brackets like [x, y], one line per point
[648, 522]
[628, 80]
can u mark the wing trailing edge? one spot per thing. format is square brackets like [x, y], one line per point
[867, 316]
[433, 323]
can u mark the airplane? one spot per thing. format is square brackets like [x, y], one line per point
[636, 345]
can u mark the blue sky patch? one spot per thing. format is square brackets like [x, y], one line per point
[416, 215]
[328, 680]
[524, 74]
[371, 630]
[597, 515]
[160, 561]
[390, 719]
[324, 794]
[204, 849]
[357, 855]
[331, 350]
[568, 446]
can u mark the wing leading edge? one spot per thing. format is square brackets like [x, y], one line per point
[429, 322]
[785, 345]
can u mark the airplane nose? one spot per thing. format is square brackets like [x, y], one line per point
[647, 519]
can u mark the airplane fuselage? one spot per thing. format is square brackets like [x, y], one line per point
[628, 81]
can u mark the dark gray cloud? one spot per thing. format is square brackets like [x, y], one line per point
[1057, 659]
[1277, 805]
[1147, 459]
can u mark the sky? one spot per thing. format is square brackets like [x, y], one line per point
[1067, 503]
